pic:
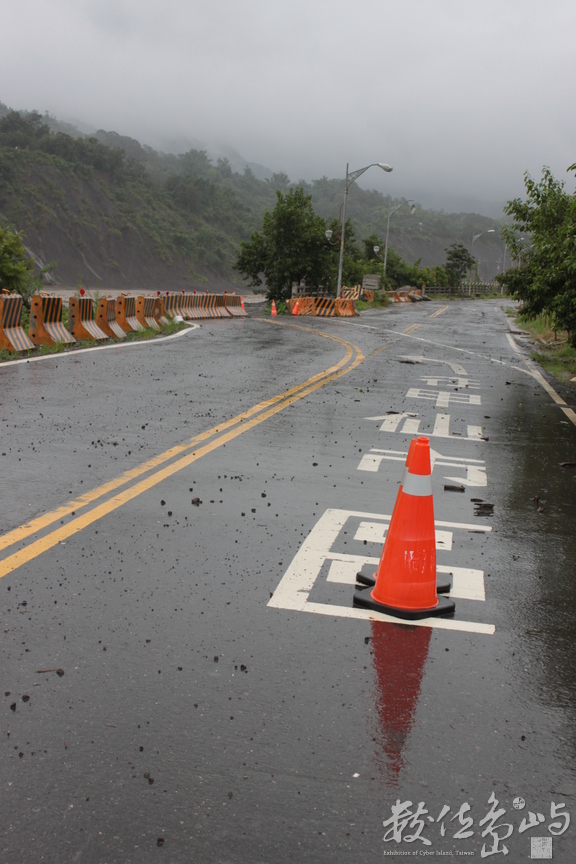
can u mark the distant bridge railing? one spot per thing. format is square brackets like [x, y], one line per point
[468, 290]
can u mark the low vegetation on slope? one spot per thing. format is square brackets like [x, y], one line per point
[111, 212]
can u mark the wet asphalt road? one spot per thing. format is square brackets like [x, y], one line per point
[220, 702]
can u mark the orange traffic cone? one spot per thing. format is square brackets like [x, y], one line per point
[367, 576]
[296, 307]
[242, 303]
[406, 578]
[273, 310]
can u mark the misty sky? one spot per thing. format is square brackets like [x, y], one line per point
[459, 97]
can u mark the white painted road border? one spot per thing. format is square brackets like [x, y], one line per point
[294, 588]
[535, 373]
[73, 353]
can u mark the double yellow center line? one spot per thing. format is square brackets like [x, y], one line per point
[215, 437]
[438, 312]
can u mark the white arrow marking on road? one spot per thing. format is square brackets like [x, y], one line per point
[392, 421]
[456, 367]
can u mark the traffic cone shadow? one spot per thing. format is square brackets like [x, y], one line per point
[406, 577]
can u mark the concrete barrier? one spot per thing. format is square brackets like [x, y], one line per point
[345, 308]
[46, 325]
[324, 307]
[12, 335]
[159, 312]
[174, 304]
[358, 293]
[234, 305]
[214, 303]
[198, 306]
[145, 312]
[126, 314]
[106, 318]
[81, 319]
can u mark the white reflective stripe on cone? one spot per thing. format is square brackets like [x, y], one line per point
[417, 484]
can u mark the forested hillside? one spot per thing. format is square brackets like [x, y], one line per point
[111, 212]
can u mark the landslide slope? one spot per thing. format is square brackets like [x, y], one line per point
[103, 219]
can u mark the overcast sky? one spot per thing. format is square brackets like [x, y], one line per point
[460, 97]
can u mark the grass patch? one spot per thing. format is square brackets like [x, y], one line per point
[379, 302]
[281, 308]
[554, 352]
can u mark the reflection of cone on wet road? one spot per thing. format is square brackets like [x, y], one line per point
[406, 578]
[273, 310]
[399, 657]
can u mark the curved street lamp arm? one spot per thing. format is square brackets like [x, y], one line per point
[398, 206]
[390, 212]
[488, 231]
[351, 176]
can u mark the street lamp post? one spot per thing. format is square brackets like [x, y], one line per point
[474, 238]
[391, 211]
[351, 176]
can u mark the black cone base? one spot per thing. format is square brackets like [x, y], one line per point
[367, 577]
[364, 599]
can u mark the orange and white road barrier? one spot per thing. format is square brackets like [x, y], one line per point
[46, 325]
[345, 308]
[366, 576]
[296, 309]
[273, 310]
[406, 578]
[235, 305]
[106, 318]
[145, 312]
[81, 319]
[12, 335]
[126, 314]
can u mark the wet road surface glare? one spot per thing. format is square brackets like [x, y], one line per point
[185, 677]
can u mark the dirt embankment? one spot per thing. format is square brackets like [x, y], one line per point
[100, 236]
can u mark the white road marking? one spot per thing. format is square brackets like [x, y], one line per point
[456, 368]
[375, 532]
[467, 584]
[443, 345]
[392, 421]
[367, 615]
[443, 397]
[295, 586]
[442, 430]
[412, 425]
[535, 373]
[452, 382]
[475, 468]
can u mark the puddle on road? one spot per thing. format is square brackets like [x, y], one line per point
[537, 525]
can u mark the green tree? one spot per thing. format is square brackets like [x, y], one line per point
[291, 246]
[459, 262]
[16, 267]
[545, 279]
[369, 244]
